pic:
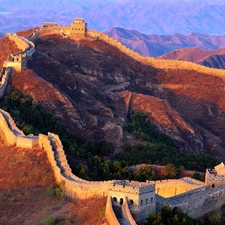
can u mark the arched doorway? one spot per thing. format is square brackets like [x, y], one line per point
[114, 199]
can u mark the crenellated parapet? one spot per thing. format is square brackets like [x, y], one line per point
[4, 77]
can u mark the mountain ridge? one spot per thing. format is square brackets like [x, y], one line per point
[213, 59]
[99, 85]
[156, 45]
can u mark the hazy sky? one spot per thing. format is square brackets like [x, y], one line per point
[146, 16]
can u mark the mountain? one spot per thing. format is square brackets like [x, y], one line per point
[213, 59]
[151, 17]
[2, 34]
[156, 45]
[92, 87]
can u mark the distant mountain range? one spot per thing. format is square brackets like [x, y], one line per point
[214, 59]
[151, 17]
[156, 45]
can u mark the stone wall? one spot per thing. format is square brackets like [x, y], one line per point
[19, 61]
[31, 47]
[126, 213]
[109, 213]
[173, 187]
[6, 132]
[213, 179]
[4, 76]
[196, 203]
[34, 36]
[158, 63]
[27, 141]
[13, 135]
[19, 42]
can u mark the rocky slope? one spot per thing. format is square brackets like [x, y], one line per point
[92, 87]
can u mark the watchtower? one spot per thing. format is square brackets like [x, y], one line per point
[140, 198]
[78, 26]
[216, 176]
[17, 61]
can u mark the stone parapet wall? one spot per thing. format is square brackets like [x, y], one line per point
[34, 36]
[126, 213]
[6, 132]
[13, 135]
[173, 187]
[4, 80]
[196, 203]
[109, 213]
[11, 123]
[27, 142]
[31, 47]
[22, 45]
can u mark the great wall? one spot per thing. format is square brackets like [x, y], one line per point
[133, 200]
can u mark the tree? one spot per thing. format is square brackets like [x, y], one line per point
[170, 171]
[143, 173]
[196, 176]
[215, 216]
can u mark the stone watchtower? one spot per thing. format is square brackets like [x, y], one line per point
[78, 26]
[139, 196]
[216, 176]
[18, 61]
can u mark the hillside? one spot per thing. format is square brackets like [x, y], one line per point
[213, 59]
[6, 47]
[157, 45]
[27, 192]
[91, 87]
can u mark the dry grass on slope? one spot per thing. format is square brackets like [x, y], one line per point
[25, 177]
[26, 33]
[6, 47]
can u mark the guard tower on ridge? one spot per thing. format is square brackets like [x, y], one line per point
[78, 26]
[140, 198]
